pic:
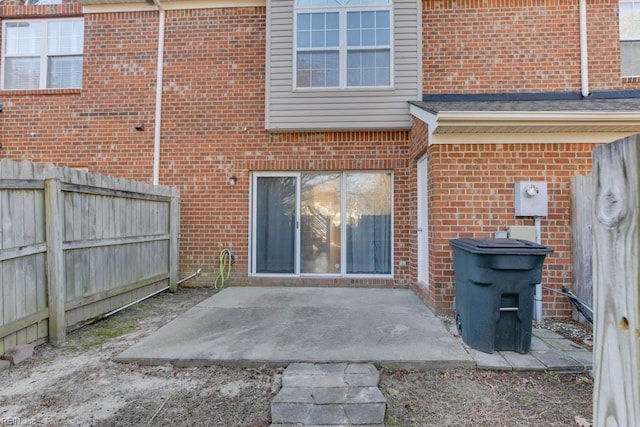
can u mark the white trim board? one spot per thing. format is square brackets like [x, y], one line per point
[459, 127]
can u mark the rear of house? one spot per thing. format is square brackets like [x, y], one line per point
[329, 143]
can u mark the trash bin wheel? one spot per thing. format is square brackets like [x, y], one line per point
[458, 323]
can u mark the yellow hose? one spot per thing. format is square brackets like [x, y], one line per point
[226, 259]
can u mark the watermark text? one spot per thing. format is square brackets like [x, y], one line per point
[15, 421]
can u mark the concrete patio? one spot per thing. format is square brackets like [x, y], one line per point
[276, 326]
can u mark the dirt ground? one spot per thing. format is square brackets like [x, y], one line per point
[78, 384]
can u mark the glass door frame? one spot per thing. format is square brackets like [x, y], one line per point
[298, 243]
[253, 201]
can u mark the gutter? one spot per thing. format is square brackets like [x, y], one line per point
[586, 116]
[584, 52]
[158, 113]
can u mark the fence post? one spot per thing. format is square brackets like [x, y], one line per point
[616, 243]
[55, 261]
[174, 232]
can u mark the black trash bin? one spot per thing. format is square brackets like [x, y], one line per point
[495, 284]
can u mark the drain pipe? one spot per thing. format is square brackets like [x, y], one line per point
[159, 75]
[190, 276]
[119, 309]
[584, 52]
[537, 307]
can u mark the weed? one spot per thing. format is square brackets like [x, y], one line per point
[390, 421]
[551, 376]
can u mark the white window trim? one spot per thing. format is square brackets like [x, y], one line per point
[628, 40]
[43, 55]
[343, 229]
[342, 46]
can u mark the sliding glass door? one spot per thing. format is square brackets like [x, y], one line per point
[368, 205]
[275, 228]
[322, 223]
[320, 213]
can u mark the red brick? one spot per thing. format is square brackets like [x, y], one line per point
[19, 353]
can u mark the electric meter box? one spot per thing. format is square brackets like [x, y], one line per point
[530, 198]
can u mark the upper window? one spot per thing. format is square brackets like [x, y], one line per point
[630, 38]
[343, 43]
[42, 54]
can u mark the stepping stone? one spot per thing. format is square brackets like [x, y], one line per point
[331, 394]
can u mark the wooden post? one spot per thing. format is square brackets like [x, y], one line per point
[174, 243]
[616, 282]
[55, 261]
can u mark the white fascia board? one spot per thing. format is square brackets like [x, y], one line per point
[531, 117]
[528, 138]
[430, 119]
[447, 127]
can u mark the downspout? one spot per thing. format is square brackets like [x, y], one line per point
[159, 75]
[584, 53]
[537, 307]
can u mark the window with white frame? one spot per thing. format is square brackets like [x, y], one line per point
[630, 38]
[343, 43]
[42, 54]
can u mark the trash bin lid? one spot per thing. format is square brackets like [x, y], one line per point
[500, 246]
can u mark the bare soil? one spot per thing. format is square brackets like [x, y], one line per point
[79, 384]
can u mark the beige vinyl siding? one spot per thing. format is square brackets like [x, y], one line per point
[352, 108]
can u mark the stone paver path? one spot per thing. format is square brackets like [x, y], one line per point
[331, 394]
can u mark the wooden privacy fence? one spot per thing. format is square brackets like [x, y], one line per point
[616, 282]
[75, 245]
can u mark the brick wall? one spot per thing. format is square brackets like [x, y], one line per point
[32, 121]
[214, 117]
[489, 46]
[213, 128]
[92, 127]
[418, 146]
[471, 195]
[501, 46]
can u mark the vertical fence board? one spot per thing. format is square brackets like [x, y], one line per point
[3, 196]
[18, 214]
[41, 289]
[55, 261]
[9, 297]
[616, 283]
[7, 225]
[3, 281]
[2, 321]
[8, 303]
[30, 275]
[174, 227]
[582, 235]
